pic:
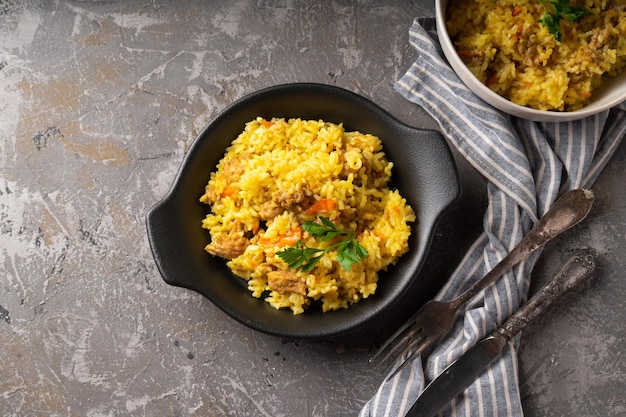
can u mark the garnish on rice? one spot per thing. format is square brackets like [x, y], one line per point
[557, 10]
[349, 251]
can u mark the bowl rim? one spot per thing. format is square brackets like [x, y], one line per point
[157, 216]
[614, 90]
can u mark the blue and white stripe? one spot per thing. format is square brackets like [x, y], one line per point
[527, 166]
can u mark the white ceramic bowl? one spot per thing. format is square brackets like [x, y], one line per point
[612, 92]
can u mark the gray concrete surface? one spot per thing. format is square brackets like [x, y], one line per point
[99, 100]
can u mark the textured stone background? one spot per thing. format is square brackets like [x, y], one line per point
[99, 100]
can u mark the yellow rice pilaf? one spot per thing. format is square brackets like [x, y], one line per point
[279, 173]
[506, 48]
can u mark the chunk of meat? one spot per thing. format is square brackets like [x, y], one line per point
[228, 246]
[233, 168]
[229, 174]
[282, 200]
[269, 210]
[285, 282]
[290, 199]
[599, 38]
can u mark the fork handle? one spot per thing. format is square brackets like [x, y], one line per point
[572, 273]
[569, 210]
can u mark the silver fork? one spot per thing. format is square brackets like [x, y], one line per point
[435, 319]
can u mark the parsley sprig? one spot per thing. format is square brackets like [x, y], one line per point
[557, 10]
[349, 251]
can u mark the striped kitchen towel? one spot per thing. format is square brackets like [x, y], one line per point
[527, 165]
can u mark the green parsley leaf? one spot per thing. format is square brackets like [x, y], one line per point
[557, 10]
[349, 251]
[300, 256]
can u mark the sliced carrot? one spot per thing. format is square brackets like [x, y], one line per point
[323, 205]
[465, 53]
[267, 123]
[492, 79]
[291, 237]
[586, 94]
[517, 10]
[228, 191]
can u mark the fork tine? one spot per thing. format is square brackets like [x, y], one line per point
[405, 343]
[396, 339]
[407, 352]
[422, 342]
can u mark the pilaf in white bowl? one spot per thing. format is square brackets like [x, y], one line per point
[536, 67]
